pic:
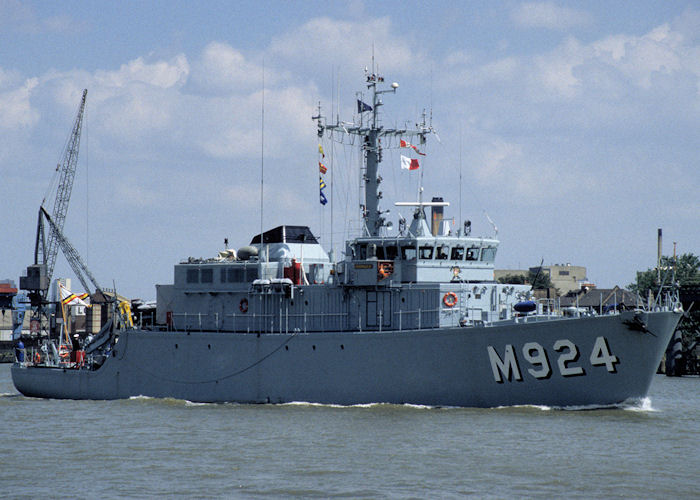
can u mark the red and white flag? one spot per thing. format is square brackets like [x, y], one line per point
[409, 163]
[405, 144]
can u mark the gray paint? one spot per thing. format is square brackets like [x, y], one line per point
[442, 366]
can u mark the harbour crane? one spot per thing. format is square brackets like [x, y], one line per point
[39, 275]
[49, 240]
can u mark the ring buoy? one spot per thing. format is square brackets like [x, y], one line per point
[37, 358]
[243, 306]
[385, 269]
[449, 299]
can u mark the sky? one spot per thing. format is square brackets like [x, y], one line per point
[573, 125]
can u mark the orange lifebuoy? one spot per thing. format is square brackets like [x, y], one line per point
[449, 299]
[243, 306]
[385, 269]
[37, 358]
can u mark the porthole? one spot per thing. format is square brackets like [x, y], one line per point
[306, 302]
[313, 347]
[342, 347]
[176, 346]
[286, 348]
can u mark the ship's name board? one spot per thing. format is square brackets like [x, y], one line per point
[507, 367]
[364, 266]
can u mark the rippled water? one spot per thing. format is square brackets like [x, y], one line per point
[144, 447]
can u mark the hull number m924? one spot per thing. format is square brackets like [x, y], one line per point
[567, 362]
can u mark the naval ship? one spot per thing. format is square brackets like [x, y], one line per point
[413, 317]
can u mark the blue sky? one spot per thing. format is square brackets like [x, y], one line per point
[575, 125]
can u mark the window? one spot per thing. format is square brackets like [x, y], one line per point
[251, 274]
[457, 253]
[380, 253]
[207, 275]
[363, 251]
[488, 254]
[236, 275]
[473, 253]
[563, 273]
[193, 276]
[408, 253]
[443, 252]
[426, 252]
[391, 252]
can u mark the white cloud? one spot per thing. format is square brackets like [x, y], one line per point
[580, 119]
[573, 70]
[499, 159]
[553, 73]
[548, 15]
[131, 105]
[15, 108]
[9, 78]
[639, 58]
[325, 41]
[233, 125]
[145, 106]
[222, 69]
[20, 17]
[163, 74]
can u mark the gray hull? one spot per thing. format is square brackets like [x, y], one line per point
[556, 362]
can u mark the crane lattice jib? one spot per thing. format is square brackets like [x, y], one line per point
[65, 186]
[72, 256]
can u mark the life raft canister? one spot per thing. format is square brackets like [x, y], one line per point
[449, 299]
[243, 306]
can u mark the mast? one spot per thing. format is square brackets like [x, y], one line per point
[371, 135]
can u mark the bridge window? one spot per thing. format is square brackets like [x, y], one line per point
[457, 253]
[193, 276]
[473, 253]
[362, 250]
[443, 252]
[391, 252]
[207, 275]
[426, 252]
[408, 253]
[488, 254]
[251, 274]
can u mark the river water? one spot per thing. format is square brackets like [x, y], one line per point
[145, 447]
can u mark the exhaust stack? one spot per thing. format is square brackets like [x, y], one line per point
[436, 215]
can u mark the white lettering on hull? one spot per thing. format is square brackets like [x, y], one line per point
[568, 362]
[506, 367]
